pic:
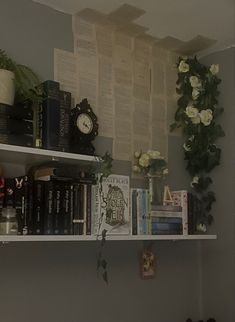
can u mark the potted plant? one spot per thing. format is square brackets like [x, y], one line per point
[17, 82]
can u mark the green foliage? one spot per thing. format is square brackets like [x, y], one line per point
[26, 81]
[197, 115]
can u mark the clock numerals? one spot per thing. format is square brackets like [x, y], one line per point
[84, 123]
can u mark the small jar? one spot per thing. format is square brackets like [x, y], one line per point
[8, 222]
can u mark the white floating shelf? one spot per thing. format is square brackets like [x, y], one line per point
[53, 238]
[25, 155]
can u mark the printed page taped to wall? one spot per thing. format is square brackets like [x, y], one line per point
[66, 71]
[106, 97]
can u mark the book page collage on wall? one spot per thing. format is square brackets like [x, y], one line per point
[129, 83]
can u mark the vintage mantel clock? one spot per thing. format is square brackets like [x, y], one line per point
[84, 128]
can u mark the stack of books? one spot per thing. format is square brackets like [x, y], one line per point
[166, 220]
[16, 124]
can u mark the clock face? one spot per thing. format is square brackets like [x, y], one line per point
[84, 123]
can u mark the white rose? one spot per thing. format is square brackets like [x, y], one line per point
[214, 69]
[144, 160]
[194, 181]
[153, 154]
[187, 147]
[137, 154]
[195, 94]
[183, 67]
[136, 169]
[191, 111]
[191, 138]
[196, 120]
[165, 171]
[206, 116]
[195, 82]
[201, 227]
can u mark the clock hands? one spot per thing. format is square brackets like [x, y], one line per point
[84, 123]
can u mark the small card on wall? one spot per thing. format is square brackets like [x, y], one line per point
[147, 264]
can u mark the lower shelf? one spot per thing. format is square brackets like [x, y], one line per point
[53, 238]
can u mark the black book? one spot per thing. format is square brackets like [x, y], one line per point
[51, 89]
[78, 210]
[48, 117]
[38, 207]
[134, 212]
[67, 210]
[17, 139]
[64, 127]
[88, 209]
[21, 196]
[12, 126]
[57, 213]
[49, 208]
[50, 123]
[22, 111]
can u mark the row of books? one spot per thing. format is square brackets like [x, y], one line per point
[44, 125]
[49, 205]
[60, 200]
[178, 218]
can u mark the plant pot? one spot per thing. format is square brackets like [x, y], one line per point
[7, 87]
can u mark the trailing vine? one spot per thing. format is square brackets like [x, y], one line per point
[197, 115]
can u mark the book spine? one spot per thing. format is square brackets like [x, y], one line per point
[180, 198]
[51, 123]
[88, 210]
[57, 209]
[66, 227]
[76, 209]
[82, 212]
[139, 212]
[38, 208]
[51, 89]
[134, 211]
[166, 213]
[65, 106]
[49, 208]
[166, 226]
[96, 210]
[38, 125]
[167, 220]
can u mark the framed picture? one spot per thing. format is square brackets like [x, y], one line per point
[147, 264]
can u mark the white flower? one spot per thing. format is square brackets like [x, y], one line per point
[196, 120]
[195, 82]
[136, 169]
[165, 171]
[214, 69]
[191, 111]
[183, 67]
[201, 227]
[191, 138]
[137, 154]
[194, 181]
[153, 154]
[187, 147]
[206, 116]
[144, 160]
[195, 93]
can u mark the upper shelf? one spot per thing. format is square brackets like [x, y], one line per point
[25, 155]
[72, 238]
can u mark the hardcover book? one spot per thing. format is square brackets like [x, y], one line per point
[114, 205]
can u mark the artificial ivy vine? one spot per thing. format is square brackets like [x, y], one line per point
[197, 114]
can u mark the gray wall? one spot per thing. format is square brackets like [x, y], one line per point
[57, 282]
[218, 258]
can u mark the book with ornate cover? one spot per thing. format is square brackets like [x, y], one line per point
[115, 205]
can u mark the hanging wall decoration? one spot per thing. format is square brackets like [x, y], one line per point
[197, 115]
